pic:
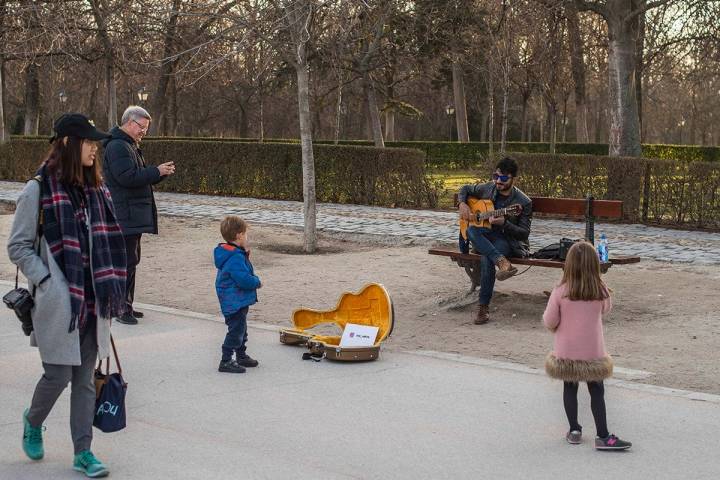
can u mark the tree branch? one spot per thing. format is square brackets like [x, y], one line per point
[587, 5]
[644, 8]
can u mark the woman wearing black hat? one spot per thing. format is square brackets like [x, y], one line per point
[76, 265]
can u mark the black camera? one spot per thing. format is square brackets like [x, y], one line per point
[20, 301]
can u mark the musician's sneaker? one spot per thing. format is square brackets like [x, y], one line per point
[611, 442]
[505, 269]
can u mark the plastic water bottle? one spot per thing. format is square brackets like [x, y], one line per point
[602, 249]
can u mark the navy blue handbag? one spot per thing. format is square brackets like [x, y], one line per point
[110, 391]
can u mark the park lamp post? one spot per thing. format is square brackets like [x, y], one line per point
[450, 111]
[142, 95]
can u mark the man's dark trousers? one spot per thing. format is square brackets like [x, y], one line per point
[132, 249]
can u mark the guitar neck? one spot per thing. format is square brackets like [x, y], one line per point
[493, 213]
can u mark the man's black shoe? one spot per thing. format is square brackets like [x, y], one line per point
[247, 362]
[137, 314]
[230, 366]
[127, 319]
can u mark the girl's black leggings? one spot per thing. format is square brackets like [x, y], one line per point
[597, 405]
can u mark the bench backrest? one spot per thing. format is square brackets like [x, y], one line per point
[585, 207]
[573, 206]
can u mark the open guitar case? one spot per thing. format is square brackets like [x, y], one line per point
[371, 306]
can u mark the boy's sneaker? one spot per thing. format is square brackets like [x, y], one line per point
[32, 442]
[611, 443]
[574, 437]
[86, 463]
[230, 366]
[247, 362]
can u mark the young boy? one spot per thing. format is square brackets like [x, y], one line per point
[236, 286]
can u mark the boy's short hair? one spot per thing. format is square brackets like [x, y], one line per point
[507, 166]
[231, 226]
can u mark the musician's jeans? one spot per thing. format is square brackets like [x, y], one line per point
[491, 245]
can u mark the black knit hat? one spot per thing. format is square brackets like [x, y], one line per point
[76, 125]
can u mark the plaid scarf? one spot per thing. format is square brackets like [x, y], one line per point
[68, 244]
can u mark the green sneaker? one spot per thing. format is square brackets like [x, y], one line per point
[32, 439]
[86, 463]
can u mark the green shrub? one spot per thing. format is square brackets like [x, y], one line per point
[343, 174]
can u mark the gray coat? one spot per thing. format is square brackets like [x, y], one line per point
[52, 313]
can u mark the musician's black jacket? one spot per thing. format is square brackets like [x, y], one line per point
[516, 229]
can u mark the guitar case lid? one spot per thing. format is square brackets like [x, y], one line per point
[371, 306]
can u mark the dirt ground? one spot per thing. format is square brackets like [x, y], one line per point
[665, 318]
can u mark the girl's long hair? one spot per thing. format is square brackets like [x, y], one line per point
[65, 161]
[581, 274]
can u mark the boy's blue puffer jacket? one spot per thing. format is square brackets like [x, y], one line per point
[236, 282]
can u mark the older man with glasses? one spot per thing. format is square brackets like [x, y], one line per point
[130, 182]
[506, 237]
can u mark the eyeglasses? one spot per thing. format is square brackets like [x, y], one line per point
[502, 178]
[142, 127]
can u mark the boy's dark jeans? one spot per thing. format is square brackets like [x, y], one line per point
[236, 337]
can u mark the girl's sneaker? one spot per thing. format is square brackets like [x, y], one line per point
[574, 437]
[611, 443]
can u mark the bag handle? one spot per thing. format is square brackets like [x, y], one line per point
[107, 364]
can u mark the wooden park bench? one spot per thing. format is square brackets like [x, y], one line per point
[589, 208]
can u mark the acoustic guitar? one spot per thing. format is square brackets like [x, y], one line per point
[482, 211]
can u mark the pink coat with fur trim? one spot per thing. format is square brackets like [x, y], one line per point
[579, 353]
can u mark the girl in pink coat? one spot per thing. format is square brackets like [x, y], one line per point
[574, 313]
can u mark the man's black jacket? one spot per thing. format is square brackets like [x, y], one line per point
[516, 229]
[130, 182]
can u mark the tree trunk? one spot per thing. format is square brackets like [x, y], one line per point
[552, 125]
[3, 136]
[372, 109]
[390, 125]
[491, 114]
[308, 161]
[640, 65]
[622, 94]
[577, 60]
[261, 127]
[172, 107]
[159, 101]
[461, 120]
[338, 113]
[32, 100]
[506, 94]
[111, 94]
[3, 131]
[524, 117]
[109, 54]
[541, 120]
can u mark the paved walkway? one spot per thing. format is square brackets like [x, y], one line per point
[699, 248]
[404, 416]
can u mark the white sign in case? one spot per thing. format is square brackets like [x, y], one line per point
[358, 335]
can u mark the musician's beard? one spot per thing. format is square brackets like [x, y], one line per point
[504, 188]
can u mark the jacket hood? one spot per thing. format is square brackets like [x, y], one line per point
[117, 133]
[223, 252]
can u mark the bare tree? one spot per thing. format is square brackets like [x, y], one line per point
[623, 32]
[100, 11]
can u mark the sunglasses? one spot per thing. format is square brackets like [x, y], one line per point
[502, 178]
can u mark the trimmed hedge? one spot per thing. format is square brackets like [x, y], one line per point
[454, 155]
[343, 174]
[653, 191]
